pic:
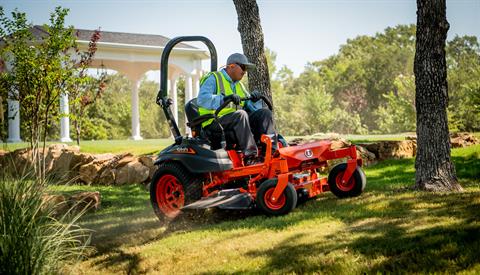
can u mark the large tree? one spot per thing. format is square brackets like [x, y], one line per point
[252, 42]
[434, 168]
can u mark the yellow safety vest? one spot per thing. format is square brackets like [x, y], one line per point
[224, 88]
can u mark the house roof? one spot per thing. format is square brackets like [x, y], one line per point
[119, 38]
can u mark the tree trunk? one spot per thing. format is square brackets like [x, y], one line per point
[434, 168]
[252, 42]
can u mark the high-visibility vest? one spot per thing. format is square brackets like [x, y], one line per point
[223, 88]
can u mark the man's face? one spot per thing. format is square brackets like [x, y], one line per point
[236, 71]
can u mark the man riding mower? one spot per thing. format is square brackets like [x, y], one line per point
[204, 171]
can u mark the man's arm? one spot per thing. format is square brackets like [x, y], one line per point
[207, 96]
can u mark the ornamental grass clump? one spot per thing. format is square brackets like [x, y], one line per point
[34, 238]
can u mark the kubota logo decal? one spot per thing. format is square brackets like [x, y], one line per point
[184, 150]
[308, 153]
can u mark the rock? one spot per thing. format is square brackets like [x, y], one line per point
[367, 156]
[59, 204]
[103, 157]
[462, 139]
[339, 143]
[149, 161]
[85, 200]
[133, 172]
[88, 172]
[124, 160]
[392, 149]
[107, 177]
[20, 161]
[53, 153]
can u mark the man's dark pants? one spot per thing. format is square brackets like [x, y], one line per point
[244, 129]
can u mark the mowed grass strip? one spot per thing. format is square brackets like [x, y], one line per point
[387, 229]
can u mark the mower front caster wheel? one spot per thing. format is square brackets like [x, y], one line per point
[352, 188]
[283, 205]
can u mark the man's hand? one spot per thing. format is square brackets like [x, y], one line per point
[255, 96]
[235, 98]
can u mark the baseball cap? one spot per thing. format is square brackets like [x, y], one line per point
[239, 58]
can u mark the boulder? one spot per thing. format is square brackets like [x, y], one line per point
[149, 161]
[339, 143]
[124, 160]
[392, 149]
[20, 161]
[85, 200]
[462, 139]
[88, 172]
[133, 172]
[107, 177]
[59, 203]
[367, 156]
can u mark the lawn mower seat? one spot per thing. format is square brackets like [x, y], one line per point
[195, 121]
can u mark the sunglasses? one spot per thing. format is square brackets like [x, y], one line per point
[243, 67]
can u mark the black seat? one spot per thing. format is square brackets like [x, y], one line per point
[195, 121]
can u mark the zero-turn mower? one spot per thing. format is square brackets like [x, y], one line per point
[193, 173]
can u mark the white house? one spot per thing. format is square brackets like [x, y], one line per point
[132, 55]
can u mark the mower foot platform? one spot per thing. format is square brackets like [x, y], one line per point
[225, 199]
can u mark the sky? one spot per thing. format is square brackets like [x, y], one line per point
[298, 31]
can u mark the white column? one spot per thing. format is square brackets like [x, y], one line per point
[135, 113]
[64, 119]
[196, 85]
[173, 94]
[188, 96]
[13, 121]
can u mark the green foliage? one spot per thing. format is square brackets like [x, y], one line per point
[110, 116]
[36, 75]
[152, 119]
[397, 114]
[463, 61]
[32, 239]
[369, 86]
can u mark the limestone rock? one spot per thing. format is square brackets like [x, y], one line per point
[462, 139]
[85, 200]
[392, 149]
[149, 161]
[133, 172]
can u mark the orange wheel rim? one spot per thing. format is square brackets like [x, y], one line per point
[170, 195]
[274, 205]
[344, 186]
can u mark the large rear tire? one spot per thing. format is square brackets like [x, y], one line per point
[352, 188]
[172, 188]
[283, 205]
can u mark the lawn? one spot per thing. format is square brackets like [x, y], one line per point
[153, 146]
[387, 229]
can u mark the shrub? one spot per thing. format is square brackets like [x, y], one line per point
[32, 239]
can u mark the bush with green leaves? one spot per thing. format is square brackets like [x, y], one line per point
[398, 113]
[33, 239]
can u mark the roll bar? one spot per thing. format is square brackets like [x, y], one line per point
[162, 96]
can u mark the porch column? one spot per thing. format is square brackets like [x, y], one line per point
[188, 97]
[173, 94]
[135, 113]
[13, 121]
[64, 119]
[196, 85]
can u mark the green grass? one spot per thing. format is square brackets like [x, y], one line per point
[153, 146]
[386, 229]
[137, 147]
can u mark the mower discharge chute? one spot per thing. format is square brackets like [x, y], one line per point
[193, 173]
